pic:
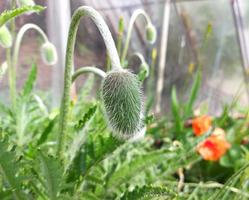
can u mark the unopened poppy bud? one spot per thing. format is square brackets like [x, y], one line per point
[21, 3]
[5, 37]
[122, 99]
[151, 33]
[48, 53]
[146, 68]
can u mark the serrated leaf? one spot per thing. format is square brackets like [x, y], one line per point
[52, 174]
[129, 170]
[175, 107]
[46, 132]
[9, 169]
[150, 192]
[193, 94]
[10, 14]
[29, 83]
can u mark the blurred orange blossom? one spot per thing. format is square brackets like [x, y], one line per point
[201, 124]
[214, 147]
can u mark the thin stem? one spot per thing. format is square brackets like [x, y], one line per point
[84, 70]
[19, 38]
[9, 61]
[134, 16]
[112, 51]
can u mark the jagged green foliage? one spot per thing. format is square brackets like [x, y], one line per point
[122, 99]
[52, 175]
[9, 168]
[10, 14]
[150, 192]
[29, 83]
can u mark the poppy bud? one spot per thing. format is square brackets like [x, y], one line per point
[151, 33]
[48, 53]
[122, 99]
[5, 37]
[144, 66]
[21, 3]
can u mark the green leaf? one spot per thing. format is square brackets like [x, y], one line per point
[150, 192]
[9, 169]
[193, 94]
[52, 173]
[175, 107]
[29, 84]
[129, 170]
[10, 14]
[46, 131]
[81, 123]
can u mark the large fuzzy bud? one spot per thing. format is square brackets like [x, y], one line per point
[5, 37]
[48, 53]
[122, 99]
[151, 33]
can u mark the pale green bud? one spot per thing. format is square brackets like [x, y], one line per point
[151, 33]
[48, 53]
[5, 37]
[122, 97]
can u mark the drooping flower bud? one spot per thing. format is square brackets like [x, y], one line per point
[151, 33]
[21, 3]
[5, 37]
[144, 66]
[122, 99]
[48, 53]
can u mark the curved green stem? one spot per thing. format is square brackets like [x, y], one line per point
[112, 51]
[84, 70]
[134, 16]
[17, 45]
[139, 56]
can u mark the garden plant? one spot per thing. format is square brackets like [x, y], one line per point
[112, 146]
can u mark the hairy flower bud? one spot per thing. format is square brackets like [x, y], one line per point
[151, 33]
[122, 99]
[48, 53]
[5, 37]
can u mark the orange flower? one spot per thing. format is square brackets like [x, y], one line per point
[215, 146]
[201, 124]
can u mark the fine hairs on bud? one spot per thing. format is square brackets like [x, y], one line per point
[122, 99]
[5, 37]
[48, 53]
[151, 33]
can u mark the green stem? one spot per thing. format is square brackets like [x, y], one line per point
[9, 61]
[134, 16]
[112, 51]
[84, 70]
[19, 38]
